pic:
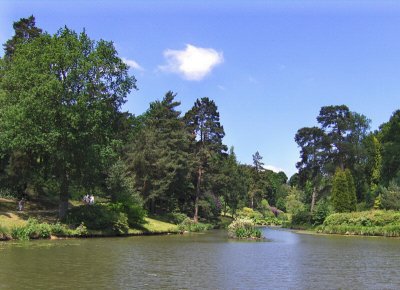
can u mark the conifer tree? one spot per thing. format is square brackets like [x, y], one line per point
[343, 191]
[202, 121]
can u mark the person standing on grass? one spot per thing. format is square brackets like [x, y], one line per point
[21, 204]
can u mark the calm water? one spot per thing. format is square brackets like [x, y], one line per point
[203, 261]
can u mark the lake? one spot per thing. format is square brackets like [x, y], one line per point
[286, 260]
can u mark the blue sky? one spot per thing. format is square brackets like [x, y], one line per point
[269, 65]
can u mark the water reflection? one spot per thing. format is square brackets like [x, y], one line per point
[203, 261]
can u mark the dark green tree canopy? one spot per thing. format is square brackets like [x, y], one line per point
[257, 162]
[60, 102]
[25, 30]
[203, 122]
[390, 139]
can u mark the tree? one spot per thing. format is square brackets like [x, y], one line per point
[345, 130]
[373, 165]
[61, 101]
[257, 162]
[159, 157]
[335, 120]
[389, 136]
[25, 30]
[256, 187]
[314, 144]
[203, 124]
[343, 191]
[231, 182]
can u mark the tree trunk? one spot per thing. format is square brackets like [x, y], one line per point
[196, 202]
[313, 199]
[64, 195]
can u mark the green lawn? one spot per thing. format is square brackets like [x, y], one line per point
[153, 227]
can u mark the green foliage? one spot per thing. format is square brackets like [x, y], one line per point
[61, 230]
[378, 202]
[176, 217]
[265, 218]
[249, 213]
[293, 202]
[343, 191]
[191, 226]
[32, 230]
[301, 218]
[160, 158]
[25, 30]
[373, 165]
[120, 185]
[100, 217]
[390, 197]
[321, 211]
[60, 108]
[7, 193]
[120, 225]
[81, 230]
[4, 233]
[242, 228]
[376, 222]
[390, 140]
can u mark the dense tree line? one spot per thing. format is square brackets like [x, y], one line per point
[344, 164]
[63, 134]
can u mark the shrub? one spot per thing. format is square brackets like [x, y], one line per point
[32, 230]
[176, 217]
[243, 229]
[390, 197]
[61, 230]
[81, 230]
[4, 233]
[120, 225]
[135, 214]
[301, 218]
[321, 211]
[343, 191]
[375, 222]
[100, 217]
[7, 193]
[249, 213]
[191, 226]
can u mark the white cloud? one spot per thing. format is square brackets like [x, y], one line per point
[273, 168]
[131, 63]
[192, 63]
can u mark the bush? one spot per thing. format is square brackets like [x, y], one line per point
[135, 214]
[81, 230]
[321, 211]
[61, 230]
[7, 193]
[191, 226]
[249, 213]
[32, 230]
[376, 222]
[176, 217]
[243, 229]
[120, 225]
[4, 234]
[390, 197]
[301, 218]
[100, 217]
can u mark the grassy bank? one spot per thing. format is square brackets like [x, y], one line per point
[12, 227]
[37, 221]
[365, 223]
